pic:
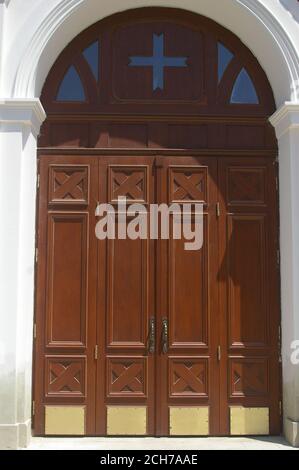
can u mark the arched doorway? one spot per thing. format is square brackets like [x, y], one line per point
[160, 106]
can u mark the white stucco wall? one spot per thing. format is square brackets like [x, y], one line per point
[32, 34]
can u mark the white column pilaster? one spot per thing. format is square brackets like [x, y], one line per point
[20, 121]
[286, 123]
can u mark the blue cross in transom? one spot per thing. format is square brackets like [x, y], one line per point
[158, 61]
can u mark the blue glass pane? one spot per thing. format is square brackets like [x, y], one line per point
[224, 58]
[91, 54]
[158, 61]
[71, 88]
[244, 91]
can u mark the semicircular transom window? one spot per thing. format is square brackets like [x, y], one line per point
[152, 63]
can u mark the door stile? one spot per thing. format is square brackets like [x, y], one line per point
[162, 308]
[224, 428]
[216, 347]
[41, 274]
[101, 421]
[274, 301]
[92, 276]
[152, 300]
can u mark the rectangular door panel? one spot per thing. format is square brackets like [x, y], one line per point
[127, 294]
[246, 253]
[188, 293]
[67, 279]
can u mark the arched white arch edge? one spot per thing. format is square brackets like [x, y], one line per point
[262, 25]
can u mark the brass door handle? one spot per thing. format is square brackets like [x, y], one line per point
[164, 335]
[152, 338]
[219, 353]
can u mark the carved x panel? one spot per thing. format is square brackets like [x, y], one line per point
[188, 184]
[128, 181]
[246, 186]
[249, 377]
[188, 377]
[68, 184]
[65, 376]
[126, 377]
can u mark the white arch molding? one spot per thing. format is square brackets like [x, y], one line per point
[41, 30]
[260, 27]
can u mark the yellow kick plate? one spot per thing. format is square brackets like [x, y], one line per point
[65, 420]
[189, 421]
[126, 420]
[249, 421]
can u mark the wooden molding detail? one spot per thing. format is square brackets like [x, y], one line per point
[127, 376]
[69, 184]
[65, 376]
[188, 377]
[128, 181]
[247, 186]
[249, 377]
[188, 184]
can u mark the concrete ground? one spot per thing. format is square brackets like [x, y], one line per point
[209, 443]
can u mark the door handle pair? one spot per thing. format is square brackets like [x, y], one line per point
[152, 336]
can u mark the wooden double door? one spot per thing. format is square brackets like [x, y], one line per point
[143, 337]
